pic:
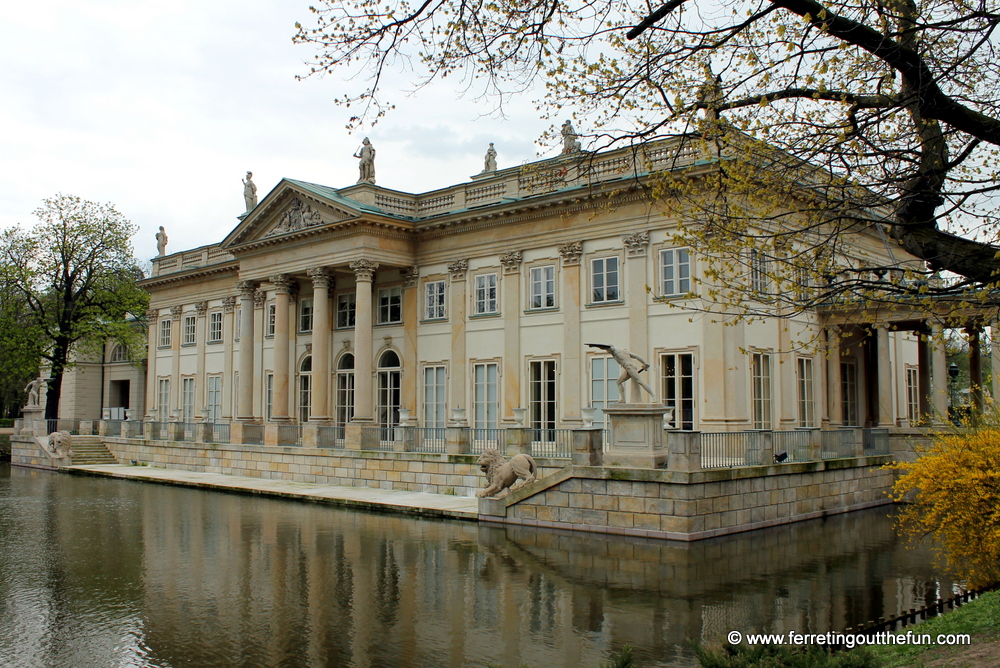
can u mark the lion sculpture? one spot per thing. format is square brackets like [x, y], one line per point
[502, 475]
[59, 444]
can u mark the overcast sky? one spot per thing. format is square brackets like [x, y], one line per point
[161, 108]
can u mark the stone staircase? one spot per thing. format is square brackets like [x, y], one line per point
[90, 450]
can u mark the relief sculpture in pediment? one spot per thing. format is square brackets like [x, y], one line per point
[298, 216]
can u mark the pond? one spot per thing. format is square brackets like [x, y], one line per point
[100, 572]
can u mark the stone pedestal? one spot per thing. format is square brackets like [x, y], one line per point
[456, 440]
[637, 439]
[517, 441]
[34, 421]
[588, 450]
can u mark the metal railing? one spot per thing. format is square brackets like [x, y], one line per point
[731, 448]
[289, 434]
[113, 427]
[794, 443]
[376, 438]
[253, 434]
[481, 440]
[132, 429]
[875, 441]
[72, 426]
[186, 431]
[428, 439]
[220, 432]
[330, 437]
[838, 443]
[557, 443]
[159, 430]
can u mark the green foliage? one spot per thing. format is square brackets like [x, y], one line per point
[6, 422]
[779, 656]
[623, 659]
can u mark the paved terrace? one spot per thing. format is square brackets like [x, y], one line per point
[363, 498]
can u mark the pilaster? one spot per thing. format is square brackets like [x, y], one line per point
[511, 333]
[321, 332]
[459, 359]
[573, 389]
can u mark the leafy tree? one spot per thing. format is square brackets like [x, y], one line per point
[21, 348]
[829, 120]
[74, 275]
[953, 494]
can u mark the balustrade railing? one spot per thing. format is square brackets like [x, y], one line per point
[132, 429]
[159, 430]
[330, 436]
[557, 443]
[427, 439]
[372, 439]
[289, 434]
[796, 444]
[186, 431]
[875, 441]
[253, 434]
[220, 432]
[112, 427]
[838, 443]
[72, 426]
[481, 440]
[731, 448]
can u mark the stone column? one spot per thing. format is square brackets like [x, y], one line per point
[511, 333]
[175, 367]
[259, 329]
[456, 386]
[244, 400]
[885, 403]
[200, 331]
[279, 404]
[228, 310]
[320, 411]
[834, 386]
[939, 375]
[152, 315]
[574, 391]
[638, 321]
[409, 378]
[975, 367]
[364, 273]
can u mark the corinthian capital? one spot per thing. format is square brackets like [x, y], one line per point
[364, 270]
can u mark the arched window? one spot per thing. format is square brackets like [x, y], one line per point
[388, 393]
[119, 354]
[344, 400]
[305, 388]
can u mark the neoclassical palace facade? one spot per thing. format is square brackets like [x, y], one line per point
[344, 306]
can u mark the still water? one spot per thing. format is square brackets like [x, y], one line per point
[98, 572]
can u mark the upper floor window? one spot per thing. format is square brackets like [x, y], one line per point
[189, 325]
[760, 390]
[604, 279]
[166, 327]
[390, 305]
[676, 266]
[215, 327]
[807, 403]
[758, 262]
[271, 314]
[119, 354]
[434, 300]
[542, 285]
[346, 306]
[486, 294]
[305, 315]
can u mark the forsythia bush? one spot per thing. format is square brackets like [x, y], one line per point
[953, 491]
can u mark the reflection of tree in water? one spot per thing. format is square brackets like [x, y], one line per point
[386, 585]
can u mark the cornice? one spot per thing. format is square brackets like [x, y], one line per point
[190, 274]
[340, 228]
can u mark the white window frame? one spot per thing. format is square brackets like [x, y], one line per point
[543, 394]
[542, 287]
[304, 395]
[189, 330]
[343, 405]
[305, 315]
[806, 395]
[187, 399]
[346, 310]
[390, 305]
[485, 395]
[675, 272]
[602, 289]
[118, 354]
[215, 327]
[166, 333]
[435, 396]
[758, 262]
[761, 390]
[435, 300]
[851, 406]
[484, 295]
[913, 394]
[163, 399]
[604, 373]
[268, 396]
[270, 319]
[678, 373]
[213, 397]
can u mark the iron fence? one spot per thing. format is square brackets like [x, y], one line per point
[186, 431]
[220, 432]
[159, 431]
[330, 436]
[481, 440]
[794, 443]
[72, 426]
[427, 439]
[876, 442]
[289, 434]
[374, 438]
[838, 443]
[132, 429]
[731, 448]
[555, 443]
[253, 434]
[113, 428]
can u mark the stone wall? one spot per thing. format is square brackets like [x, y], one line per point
[692, 506]
[407, 471]
[24, 451]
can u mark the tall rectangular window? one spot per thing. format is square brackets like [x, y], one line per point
[759, 281]
[486, 294]
[542, 282]
[346, 306]
[390, 305]
[485, 406]
[187, 399]
[676, 267]
[215, 327]
[604, 372]
[189, 325]
[163, 399]
[434, 300]
[807, 403]
[344, 403]
[268, 396]
[306, 315]
[434, 397]
[542, 394]
[849, 393]
[305, 397]
[271, 315]
[760, 390]
[214, 398]
[912, 395]
[604, 279]
[166, 328]
[677, 371]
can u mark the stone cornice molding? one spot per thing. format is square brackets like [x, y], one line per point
[571, 253]
[635, 243]
[259, 297]
[364, 270]
[201, 308]
[511, 262]
[176, 311]
[458, 269]
[282, 283]
[228, 304]
[410, 276]
[321, 277]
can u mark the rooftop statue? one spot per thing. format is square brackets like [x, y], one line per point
[34, 389]
[629, 370]
[249, 192]
[570, 142]
[161, 242]
[490, 162]
[367, 165]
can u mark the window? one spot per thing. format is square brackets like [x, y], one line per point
[542, 285]
[305, 389]
[306, 315]
[807, 404]
[758, 262]
[677, 371]
[434, 397]
[215, 327]
[119, 354]
[390, 305]
[542, 395]
[238, 324]
[189, 325]
[344, 399]
[271, 315]
[760, 390]
[604, 279]
[676, 266]
[345, 310]
[214, 398]
[187, 399]
[604, 372]
[268, 396]
[486, 294]
[912, 395]
[484, 401]
[849, 393]
[163, 399]
[434, 300]
[388, 394]
[165, 329]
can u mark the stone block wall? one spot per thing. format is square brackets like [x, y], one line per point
[407, 471]
[24, 451]
[692, 506]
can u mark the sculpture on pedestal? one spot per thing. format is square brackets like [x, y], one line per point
[570, 142]
[629, 371]
[161, 242]
[366, 167]
[249, 192]
[34, 389]
[490, 162]
[502, 475]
